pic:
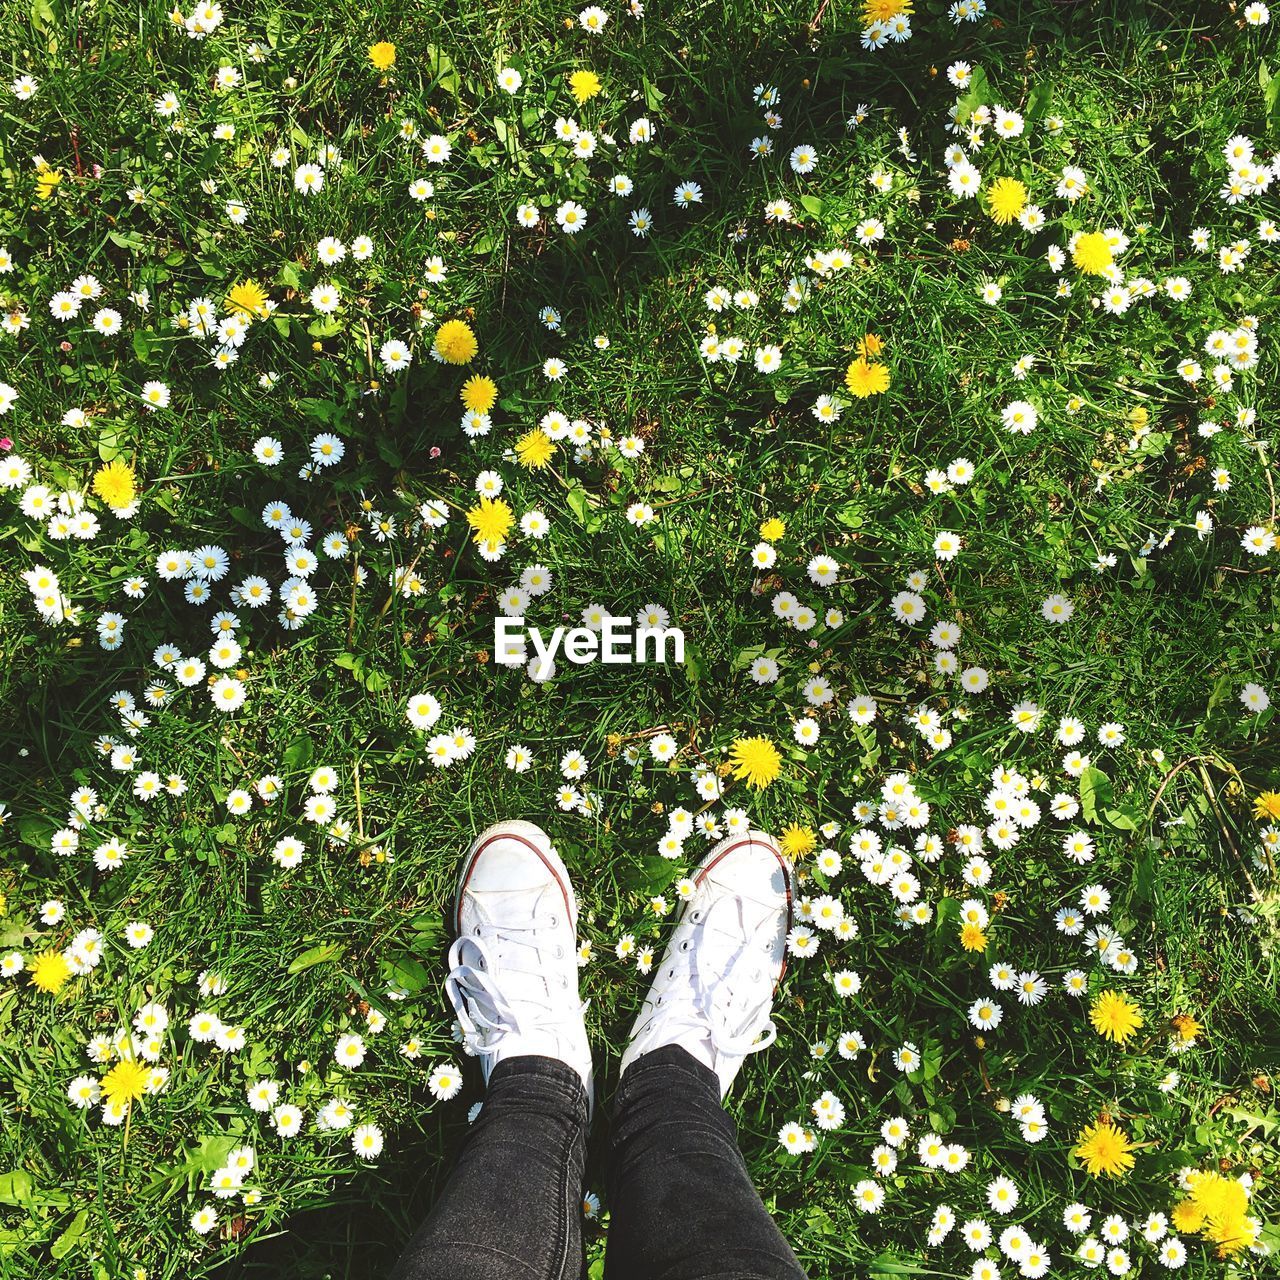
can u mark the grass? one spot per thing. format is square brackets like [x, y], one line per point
[1163, 642]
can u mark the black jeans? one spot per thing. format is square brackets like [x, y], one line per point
[681, 1202]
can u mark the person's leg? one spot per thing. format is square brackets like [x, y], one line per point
[682, 1205]
[512, 1208]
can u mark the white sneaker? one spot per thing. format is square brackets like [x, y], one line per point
[513, 971]
[714, 989]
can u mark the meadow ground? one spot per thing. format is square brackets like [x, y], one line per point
[938, 412]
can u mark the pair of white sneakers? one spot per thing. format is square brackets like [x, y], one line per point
[513, 970]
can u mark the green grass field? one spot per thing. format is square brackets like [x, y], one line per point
[225, 844]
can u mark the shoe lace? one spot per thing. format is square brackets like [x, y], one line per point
[477, 963]
[723, 1004]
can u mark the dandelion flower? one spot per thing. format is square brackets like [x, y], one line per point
[382, 55]
[1092, 253]
[535, 449]
[114, 485]
[248, 298]
[491, 519]
[1218, 1209]
[455, 343]
[50, 972]
[1006, 198]
[1266, 806]
[479, 394]
[756, 761]
[1115, 1016]
[584, 85]
[1105, 1148]
[126, 1081]
[798, 840]
[866, 379]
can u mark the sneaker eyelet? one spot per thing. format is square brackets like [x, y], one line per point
[559, 953]
[553, 921]
[684, 946]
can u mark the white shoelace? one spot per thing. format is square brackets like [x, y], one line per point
[729, 1016]
[485, 1015]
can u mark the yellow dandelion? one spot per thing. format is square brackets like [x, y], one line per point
[1187, 1217]
[1006, 198]
[798, 840]
[455, 343]
[46, 182]
[126, 1081]
[973, 938]
[1091, 253]
[870, 345]
[1186, 1027]
[755, 761]
[1115, 1016]
[50, 972]
[883, 10]
[248, 298]
[479, 393]
[584, 85]
[772, 529]
[535, 449]
[1266, 806]
[866, 379]
[382, 55]
[1218, 1209]
[491, 519]
[114, 484]
[1105, 1148]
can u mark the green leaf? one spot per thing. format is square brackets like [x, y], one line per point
[376, 680]
[442, 70]
[109, 445]
[1038, 101]
[1095, 793]
[16, 1188]
[978, 95]
[322, 954]
[329, 327]
[71, 1236]
[299, 753]
[576, 500]
[1123, 817]
[1221, 690]
[1270, 85]
[36, 829]
[407, 973]
[428, 931]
